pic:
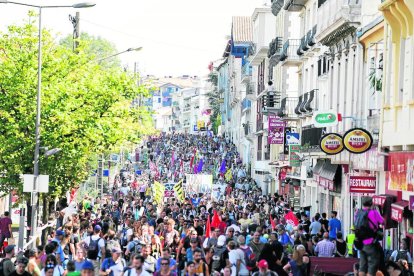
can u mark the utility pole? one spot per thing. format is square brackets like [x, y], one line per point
[76, 29]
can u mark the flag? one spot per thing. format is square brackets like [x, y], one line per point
[215, 222]
[291, 219]
[179, 192]
[208, 227]
[228, 175]
[172, 159]
[200, 166]
[272, 222]
[223, 166]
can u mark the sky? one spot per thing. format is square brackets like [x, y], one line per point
[179, 37]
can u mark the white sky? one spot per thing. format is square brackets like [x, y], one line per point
[179, 36]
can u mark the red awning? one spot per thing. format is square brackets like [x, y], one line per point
[397, 210]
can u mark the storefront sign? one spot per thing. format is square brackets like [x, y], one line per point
[378, 200]
[331, 143]
[325, 119]
[276, 130]
[357, 140]
[397, 212]
[294, 159]
[400, 177]
[326, 183]
[362, 184]
[411, 205]
[370, 160]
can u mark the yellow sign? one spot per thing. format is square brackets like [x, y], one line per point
[357, 140]
[331, 143]
[200, 124]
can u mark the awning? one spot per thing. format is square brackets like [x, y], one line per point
[328, 170]
[397, 210]
[318, 167]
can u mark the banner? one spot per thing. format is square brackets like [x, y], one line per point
[178, 190]
[158, 192]
[199, 183]
[400, 176]
[294, 159]
[276, 130]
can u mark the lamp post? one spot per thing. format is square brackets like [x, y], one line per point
[38, 101]
[120, 53]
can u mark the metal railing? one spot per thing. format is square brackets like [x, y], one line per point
[288, 106]
[290, 49]
[247, 70]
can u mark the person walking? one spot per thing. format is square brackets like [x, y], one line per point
[370, 249]
[334, 225]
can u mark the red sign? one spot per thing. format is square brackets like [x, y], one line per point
[378, 200]
[326, 183]
[397, 212]
[362, 184]
[400, 177]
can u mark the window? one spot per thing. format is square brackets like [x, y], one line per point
[159, 100]
[259, 147]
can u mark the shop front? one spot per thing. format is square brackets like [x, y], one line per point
[400, 182]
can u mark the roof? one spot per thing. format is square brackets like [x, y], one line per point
[242, 29]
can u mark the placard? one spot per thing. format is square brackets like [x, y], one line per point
[362, 184]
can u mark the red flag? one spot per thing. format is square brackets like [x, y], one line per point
[208, 227]
[272, 222]
[291, 219]
[216, 220]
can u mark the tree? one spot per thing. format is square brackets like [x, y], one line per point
[214, 102]
[86, 109]
[96, 47]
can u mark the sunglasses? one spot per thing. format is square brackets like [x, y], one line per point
[164, 263]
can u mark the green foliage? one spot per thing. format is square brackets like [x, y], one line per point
[214, 102]
[375, 81]
[86, 108]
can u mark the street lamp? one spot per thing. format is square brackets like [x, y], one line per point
[38, 101]
[120, 53]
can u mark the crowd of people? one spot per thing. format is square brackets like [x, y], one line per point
[231, 230]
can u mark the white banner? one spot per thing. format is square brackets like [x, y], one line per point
[198, 183]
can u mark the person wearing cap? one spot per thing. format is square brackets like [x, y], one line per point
[264, 269]
[21, 264]
[190, 251]
[8, 266]
[59, 251]
[101, 247]
[114, 265]
[87, 269]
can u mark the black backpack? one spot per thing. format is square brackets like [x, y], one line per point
[2, 266]
[362, 225]
[93, 248]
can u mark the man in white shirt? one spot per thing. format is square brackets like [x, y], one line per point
[237, 260]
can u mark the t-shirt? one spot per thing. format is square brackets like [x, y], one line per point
[133, 272]
[4, 226]
[116, 267]
[335, 226]
[74, 273]
[315, 227]
[78, 265]
[101, 242]
[234, 256]
[25, 273]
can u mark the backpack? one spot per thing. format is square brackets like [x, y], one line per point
[2, 266]
[124, 237]
[401, 254]
[217, 262]
[362, 224]
[93, 249]
[249, 258]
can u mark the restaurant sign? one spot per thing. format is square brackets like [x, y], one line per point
[379, 200]
[362, 184]
[397, 212]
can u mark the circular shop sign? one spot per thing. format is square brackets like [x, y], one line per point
[357, 140]
[331, 143]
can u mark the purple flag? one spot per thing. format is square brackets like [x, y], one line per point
[200, 166]
[223, 166]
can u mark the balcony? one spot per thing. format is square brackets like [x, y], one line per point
[186, 108]
[277, 6]
[337, 19]
[275, 51]
[287, 109]
[271, 102]
[307, 41]
[246, 72]
[294, 5]
[177, 122]
[308, 103]
[248, 131]
[186, 123]
[289, 55]
[246, 105]
[251, 91]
